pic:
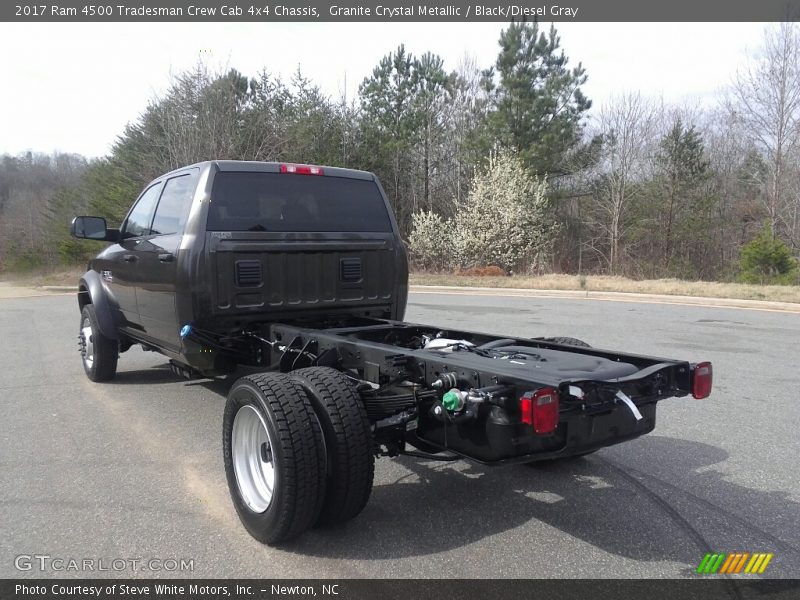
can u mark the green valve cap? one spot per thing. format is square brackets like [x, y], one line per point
[452, 400]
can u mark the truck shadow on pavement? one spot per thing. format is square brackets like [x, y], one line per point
[162, 374]
[677, 512]
[157, 374]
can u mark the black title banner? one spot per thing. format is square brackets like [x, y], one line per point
[399, 589]
[400, 10]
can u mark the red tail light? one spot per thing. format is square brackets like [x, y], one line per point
[301, 169]
[702, 376]
[540, 409]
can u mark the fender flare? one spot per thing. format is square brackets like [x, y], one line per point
[90, 291]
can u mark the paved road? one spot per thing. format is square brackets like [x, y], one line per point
[133, 469]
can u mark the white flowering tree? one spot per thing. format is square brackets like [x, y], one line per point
[507, 218]
[506, 221]
[431, 241]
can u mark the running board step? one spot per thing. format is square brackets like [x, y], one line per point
[184, 371]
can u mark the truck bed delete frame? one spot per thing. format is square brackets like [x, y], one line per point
[403, 384]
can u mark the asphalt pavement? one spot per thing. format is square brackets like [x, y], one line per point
[132, 470]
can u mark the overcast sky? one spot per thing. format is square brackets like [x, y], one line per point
[73, 87]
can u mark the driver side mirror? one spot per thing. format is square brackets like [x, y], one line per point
[93, 228]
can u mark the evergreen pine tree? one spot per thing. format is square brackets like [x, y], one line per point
[538, 103]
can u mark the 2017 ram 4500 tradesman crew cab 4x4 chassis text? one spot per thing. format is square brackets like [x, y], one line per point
[297, 275]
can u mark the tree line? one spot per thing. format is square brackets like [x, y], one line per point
[506, 165]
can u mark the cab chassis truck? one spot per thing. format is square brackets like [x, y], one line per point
[295, 278]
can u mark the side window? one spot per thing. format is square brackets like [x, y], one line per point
[173, 208]
[138, 222]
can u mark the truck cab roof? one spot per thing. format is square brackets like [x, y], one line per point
[271, 167]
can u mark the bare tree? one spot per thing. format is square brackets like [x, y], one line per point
[467, 112]
[766, 98]
[28, 185]
[739, 182]
[627, 125]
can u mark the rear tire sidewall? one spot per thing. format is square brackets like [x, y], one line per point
[247, 394]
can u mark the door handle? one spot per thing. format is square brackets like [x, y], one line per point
[167, 257]
[129, 257]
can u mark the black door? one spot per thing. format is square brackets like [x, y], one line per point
[158, 262]
[121, 270]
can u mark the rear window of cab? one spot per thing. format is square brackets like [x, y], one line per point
[248, 201]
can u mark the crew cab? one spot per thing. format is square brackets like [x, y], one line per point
[292, 281]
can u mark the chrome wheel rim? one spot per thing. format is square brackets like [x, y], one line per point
[253, 462]
[86, 343]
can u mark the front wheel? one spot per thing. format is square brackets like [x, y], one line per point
[274, 456]
[98, 353]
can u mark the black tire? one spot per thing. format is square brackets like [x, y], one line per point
[348, 442]
[99, 354]
[568, 341]
[296, 454]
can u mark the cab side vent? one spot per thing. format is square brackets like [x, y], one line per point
[248, 273]
[350, 269]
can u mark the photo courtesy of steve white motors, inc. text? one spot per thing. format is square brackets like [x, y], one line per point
[195, 590]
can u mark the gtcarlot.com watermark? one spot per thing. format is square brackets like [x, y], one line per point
[47, 563]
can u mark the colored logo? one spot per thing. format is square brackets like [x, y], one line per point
[734, 562]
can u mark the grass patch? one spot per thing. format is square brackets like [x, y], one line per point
[603, 283]
[67, 276]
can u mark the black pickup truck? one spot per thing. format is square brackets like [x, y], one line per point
[295, 277]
